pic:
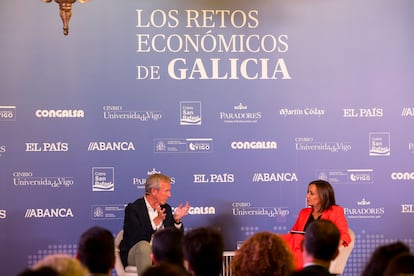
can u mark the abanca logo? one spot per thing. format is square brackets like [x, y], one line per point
[48, 213]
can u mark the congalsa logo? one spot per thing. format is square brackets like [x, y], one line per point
[60, 113]
[402, 176]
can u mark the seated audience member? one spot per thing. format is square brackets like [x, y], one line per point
[264, 253]
[165, 269]
[382, 256]
[402, 264]
[42, 271]
[64, 265]
[96, 251]
[320, 247]
[320, 198]
[167, 246]
[203, 251]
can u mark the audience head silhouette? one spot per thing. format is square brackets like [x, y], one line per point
[322, 240]
[402, 264]
[165, 269]
[203, 250]
[96, 250]
[167, 246]
[381, 257]
[264, 253]
[62, 264]
[41, 271]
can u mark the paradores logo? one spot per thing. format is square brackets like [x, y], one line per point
[364, 210]
[2, 150]
[240, 115]
[3, 214]
[139, 182]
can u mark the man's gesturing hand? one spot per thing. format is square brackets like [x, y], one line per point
[181, 211]
[161, 215]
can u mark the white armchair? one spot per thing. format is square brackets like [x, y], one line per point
[119, 267]
[338, 265]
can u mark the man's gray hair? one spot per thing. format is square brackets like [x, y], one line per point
[154, 182]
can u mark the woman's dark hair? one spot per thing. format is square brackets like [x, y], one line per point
[325, 192]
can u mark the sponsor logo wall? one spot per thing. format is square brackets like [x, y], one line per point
[241, 105]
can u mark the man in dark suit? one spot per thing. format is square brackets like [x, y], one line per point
[320, 247]
[144, 217]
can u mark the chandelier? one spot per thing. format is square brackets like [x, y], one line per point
[65, 7]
